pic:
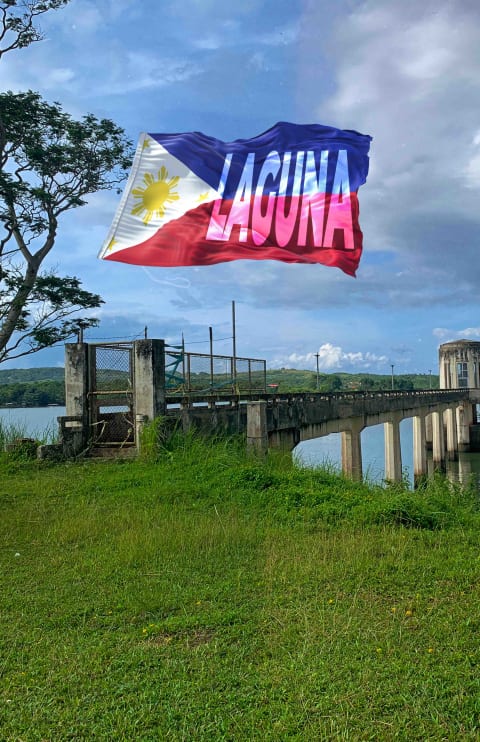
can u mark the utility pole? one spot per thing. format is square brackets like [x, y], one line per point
[318, 378]
[210, 333]
[234, 350]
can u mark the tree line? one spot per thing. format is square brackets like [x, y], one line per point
[32, 394]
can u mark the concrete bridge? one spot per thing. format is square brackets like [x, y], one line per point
[442, 420]
[113, 390]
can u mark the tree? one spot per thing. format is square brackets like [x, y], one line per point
[49, 162]
[17, 19]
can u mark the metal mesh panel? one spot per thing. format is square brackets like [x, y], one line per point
[112, 368]
[258, 374]
[242, 377]
[111, 394]
[201, 372]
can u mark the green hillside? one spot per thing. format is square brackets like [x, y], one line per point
[20, 375]
[38, 387]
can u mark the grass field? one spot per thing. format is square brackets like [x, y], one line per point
[209, 596]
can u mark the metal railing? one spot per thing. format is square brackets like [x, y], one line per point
[201, 373]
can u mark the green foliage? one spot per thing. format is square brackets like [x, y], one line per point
[41, 373]
[32, 394]
[49, 164]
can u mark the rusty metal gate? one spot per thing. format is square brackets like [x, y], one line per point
[111, 397]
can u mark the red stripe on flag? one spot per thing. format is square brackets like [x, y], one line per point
[183, 242]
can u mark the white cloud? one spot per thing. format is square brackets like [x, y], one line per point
[331, 357]
[445, 335]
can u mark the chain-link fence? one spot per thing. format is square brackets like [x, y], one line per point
[111, 393]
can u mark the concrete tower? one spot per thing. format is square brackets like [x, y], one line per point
[459, 364]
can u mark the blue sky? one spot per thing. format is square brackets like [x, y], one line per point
[406, 73]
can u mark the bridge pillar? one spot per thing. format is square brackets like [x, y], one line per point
[257, 433]
[464, 420]
[438, 438]
[452, 437]
[352, 450]
[419, 447]
[428, 432]
[393, 451]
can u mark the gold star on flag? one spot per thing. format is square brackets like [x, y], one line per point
[203, 197]
[111, 244]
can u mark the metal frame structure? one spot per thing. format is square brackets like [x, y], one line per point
[111, 398]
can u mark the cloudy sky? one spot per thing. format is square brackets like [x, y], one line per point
[407, 73]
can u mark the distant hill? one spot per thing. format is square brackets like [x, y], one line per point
[21, 375]
[289, 379]
[36, 387]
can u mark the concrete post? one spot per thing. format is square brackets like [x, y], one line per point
[352, 450]
[257, 434]
[438, 438]
[149, 378]
[76, 380]
[464, 420]
[393, 451]
[452, 439]
[75, 433]
[419, 448]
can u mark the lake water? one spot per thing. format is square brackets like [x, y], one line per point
[33, 422]
[41, 422]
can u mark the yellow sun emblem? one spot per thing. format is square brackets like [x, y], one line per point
[154, 195]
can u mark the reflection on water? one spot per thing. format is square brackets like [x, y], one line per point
[466, 469]
[327, 450]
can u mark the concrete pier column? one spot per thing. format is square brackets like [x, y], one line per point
[257, 433]
[149, 378]
[452, 438]
[419, 447]
[393, 451]
[464, 420]
[438, 438]
[352, 450]
[428, 432]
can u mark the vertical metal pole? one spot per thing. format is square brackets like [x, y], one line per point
[429, 378]
[183, 361]
[210, 332]
[264, 376]
[234, 350]
[250, 375]
[318, 379]
[189, 386]
[392, 365]
[145, 332]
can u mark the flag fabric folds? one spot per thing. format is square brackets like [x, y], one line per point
[289, 194]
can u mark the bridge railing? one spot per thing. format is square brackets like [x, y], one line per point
[212, 398]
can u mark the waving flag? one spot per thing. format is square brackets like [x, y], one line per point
[289, 194]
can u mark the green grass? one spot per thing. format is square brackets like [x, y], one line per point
[203, 595]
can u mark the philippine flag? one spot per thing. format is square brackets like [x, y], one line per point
[289, 194]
